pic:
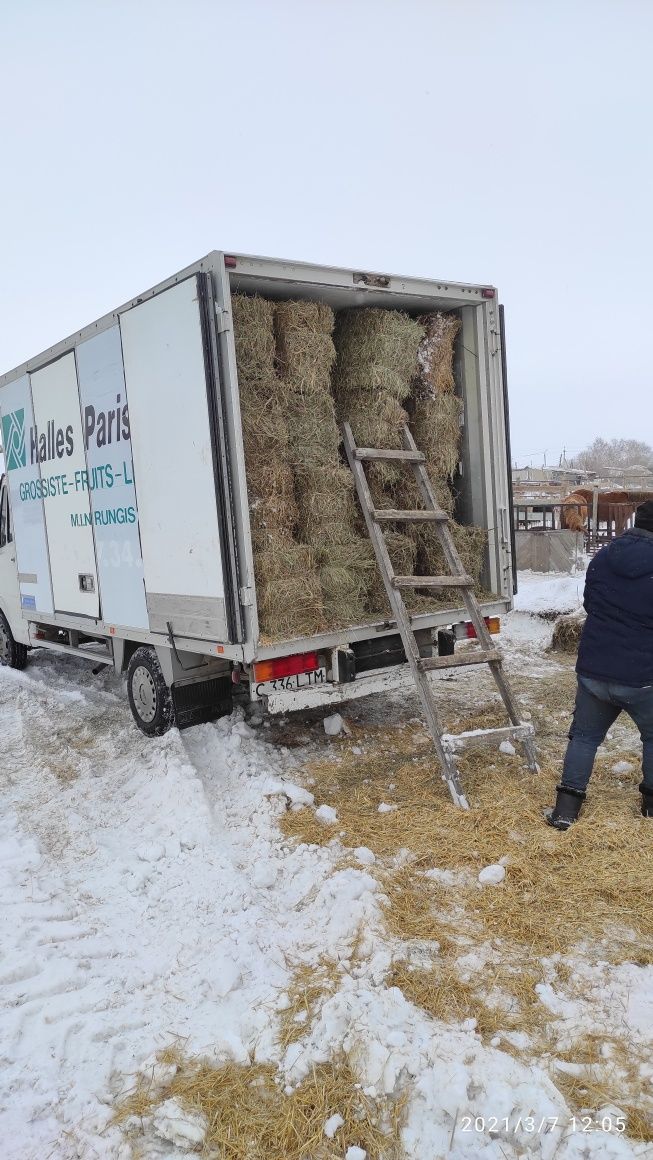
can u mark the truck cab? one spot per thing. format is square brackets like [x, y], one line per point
[13, 629]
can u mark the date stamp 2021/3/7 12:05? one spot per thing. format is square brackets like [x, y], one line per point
[535, 1125]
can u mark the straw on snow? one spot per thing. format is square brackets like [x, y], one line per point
[567, 633]
[505, 820]
[249, 1114]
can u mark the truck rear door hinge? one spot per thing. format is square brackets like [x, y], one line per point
[246, 597]
[222, 319]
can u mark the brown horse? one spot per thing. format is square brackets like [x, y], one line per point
[606, 499]
[574, 518]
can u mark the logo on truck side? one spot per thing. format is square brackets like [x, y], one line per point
[101, 427]
[13, 437]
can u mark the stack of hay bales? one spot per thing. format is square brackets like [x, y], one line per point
[314, 570]
[377, 361]
[436, 419]
[324, 487]
[289, 593]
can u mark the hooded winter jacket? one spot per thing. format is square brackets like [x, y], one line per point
[617, 640]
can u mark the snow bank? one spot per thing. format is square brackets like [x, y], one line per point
[150, 898]
[558, 593]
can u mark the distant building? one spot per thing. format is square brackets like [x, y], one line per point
[558, 476]
[638, 478]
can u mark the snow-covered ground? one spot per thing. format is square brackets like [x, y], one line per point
[549, 594]
[148, 897]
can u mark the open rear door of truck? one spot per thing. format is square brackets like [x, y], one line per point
[180, 462]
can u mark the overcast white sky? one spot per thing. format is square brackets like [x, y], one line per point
[503, 141]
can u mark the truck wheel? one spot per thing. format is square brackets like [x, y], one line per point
[149, 696]
[11, 653]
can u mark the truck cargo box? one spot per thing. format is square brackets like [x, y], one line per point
[127, 530]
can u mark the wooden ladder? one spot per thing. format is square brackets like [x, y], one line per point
[446, 746]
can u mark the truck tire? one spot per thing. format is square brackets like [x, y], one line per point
[11, 653]
[149, 696]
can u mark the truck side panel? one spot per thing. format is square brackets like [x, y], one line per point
[163, 351]
[26, 502]
[105, 418]
[59, 440]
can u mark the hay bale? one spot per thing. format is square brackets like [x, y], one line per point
[301, 314]
[406, 495]
[436, 426]
[290, 599]
[305, 347]
[313, 430]
[327, 508]
[377, 352]
[253, 321]
[567, 632]
[470, 541]
[273, 509]
[327, 518]
[270, 522]
[266, 481]
[265, 429]
[346, 576]
[435, 355]
[377, 422]
[402, 550]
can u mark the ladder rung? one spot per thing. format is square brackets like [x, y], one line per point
[416, 517]
[432, 582]
[380, 453]
[455, 741]
[478, 657]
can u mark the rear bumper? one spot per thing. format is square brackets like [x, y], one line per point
[381, 681]
[395, 679]
[373, 674]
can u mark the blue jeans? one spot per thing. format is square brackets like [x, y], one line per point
[598, 704]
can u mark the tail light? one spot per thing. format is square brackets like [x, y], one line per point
[493, 623]
[285, 667]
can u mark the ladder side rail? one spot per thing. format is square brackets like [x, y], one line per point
[471, 604]
[450, 772]
[449, 548]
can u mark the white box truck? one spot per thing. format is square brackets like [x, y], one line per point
[124, 520]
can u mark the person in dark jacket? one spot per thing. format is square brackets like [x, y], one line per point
[615, 664]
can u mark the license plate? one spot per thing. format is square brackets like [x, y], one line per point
[292, 684]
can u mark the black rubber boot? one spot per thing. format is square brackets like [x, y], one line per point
[567, 807]
[647, 799]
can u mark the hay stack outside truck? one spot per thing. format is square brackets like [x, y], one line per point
[160, 508]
